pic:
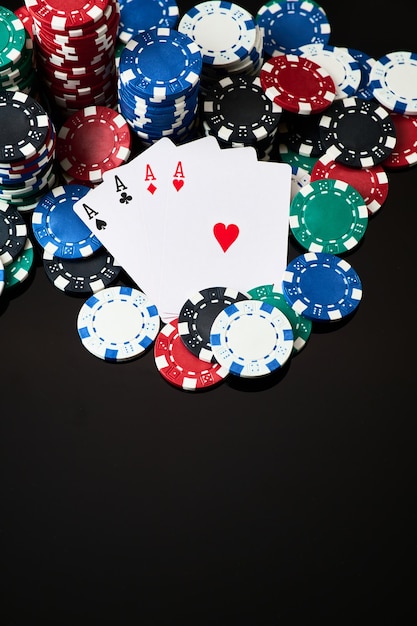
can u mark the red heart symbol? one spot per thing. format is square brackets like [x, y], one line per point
[225, 235]
[178, 184]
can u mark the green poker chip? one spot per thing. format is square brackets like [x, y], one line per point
[301, 326]
[18, 270]
[12, 38]
[295, 159]
[328, 216]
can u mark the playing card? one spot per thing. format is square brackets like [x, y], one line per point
[126, 210]
[226, 226]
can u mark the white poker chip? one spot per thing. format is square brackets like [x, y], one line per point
[118, 323]
[223, 31]
[339, 63]
[251, 338]
[393, 81]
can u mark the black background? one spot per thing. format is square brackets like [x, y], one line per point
[288, 501]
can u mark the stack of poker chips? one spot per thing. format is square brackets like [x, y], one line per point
[228, 38]
[137, 16]
[27, 150]
[158, 86]
[74, 52]
[238, 113]
[17, 71]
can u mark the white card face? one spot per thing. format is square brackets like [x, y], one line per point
[125, 210]
[228, 226]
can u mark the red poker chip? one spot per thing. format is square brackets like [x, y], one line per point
[370, 182]
[404, 153]
[65, 14]
[297, 84]
[179, 366]
[25, 17]
[92, 141]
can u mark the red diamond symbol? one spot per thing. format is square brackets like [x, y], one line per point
[152, 188]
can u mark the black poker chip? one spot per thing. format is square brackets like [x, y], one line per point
[358, 133]
[197, 315]
[237, 110]
[303, 134]
[83, 276]
[13, 233]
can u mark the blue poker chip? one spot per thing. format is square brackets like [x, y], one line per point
[118, 323]
[161, 63]
[136, 17]
[58, 229]
[321, 286]
[366, 63]
[251, 338]
[288, 25]
[393, 82]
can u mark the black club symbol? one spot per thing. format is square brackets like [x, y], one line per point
[125, 198]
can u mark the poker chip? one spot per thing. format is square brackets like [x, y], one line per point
[297, 84]
[19, 269]
[303, 135]
[404, 153]
[82, 276]
[237, 111]
[137, 17]
[287, 25]
[145, 68]
[197, 314]
[393, 81]
[251, 338]
[357, 133]
[12, 38]
[179, 366]
[371, 182]
[328, 216]
[339, 63]
[300, 325]
[295, 159]
[322, 286]
[91, 142]
[24, 126]
[366, 63]
[58, 229]
[224, 32]
[299, 178]
[228, 38]
[118, 323]
[13, 233]
[61, 16]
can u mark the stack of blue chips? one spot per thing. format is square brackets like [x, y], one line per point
[158, 86]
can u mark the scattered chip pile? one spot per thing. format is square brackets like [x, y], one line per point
[137, 16]
[17, 72]
[91, 142]
[74, 49]
[27, 150]
[238, 113]
[338, 116]
[158, 87]
[229, 40]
